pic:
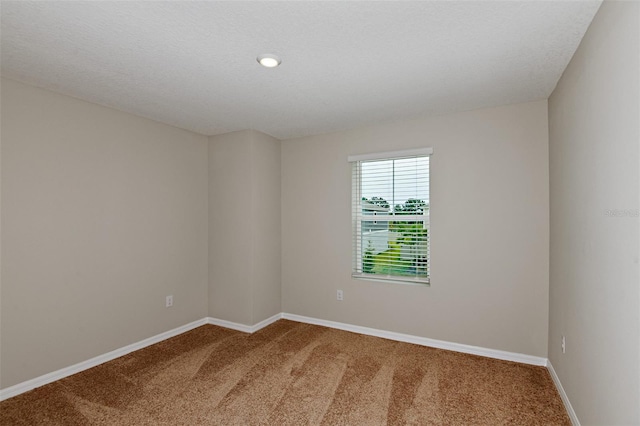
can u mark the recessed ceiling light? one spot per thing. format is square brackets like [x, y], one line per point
[268, 60]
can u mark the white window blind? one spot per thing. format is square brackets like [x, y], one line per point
[390, 211]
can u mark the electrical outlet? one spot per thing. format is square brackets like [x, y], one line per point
[564, 345]
[169, 301]
[339, 295]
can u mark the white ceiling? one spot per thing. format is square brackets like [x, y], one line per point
[344, 64]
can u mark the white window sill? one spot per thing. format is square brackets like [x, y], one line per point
[422, 282]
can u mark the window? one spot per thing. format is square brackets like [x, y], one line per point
[390, 211]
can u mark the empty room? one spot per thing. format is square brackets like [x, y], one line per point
[320, 213]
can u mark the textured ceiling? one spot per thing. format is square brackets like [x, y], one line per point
[344, 64]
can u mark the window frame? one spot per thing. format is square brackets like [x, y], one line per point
[358, 217]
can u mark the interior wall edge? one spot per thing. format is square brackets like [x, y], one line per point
[563, 395]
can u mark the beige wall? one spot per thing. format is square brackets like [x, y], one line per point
[489, 218]
[594, 283]
[244, 227]
[230, 244]
[103, 215]
[267, 232]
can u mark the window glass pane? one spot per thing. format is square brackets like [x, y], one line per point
[384, 246]
[399, 186]
[400, 249]
[377, 186]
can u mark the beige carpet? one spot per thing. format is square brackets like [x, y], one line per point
[291, 373]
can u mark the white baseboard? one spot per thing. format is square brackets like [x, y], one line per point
[85, 365]
[423, 341]
[100, 359]
[243, 327]
[563, 395]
